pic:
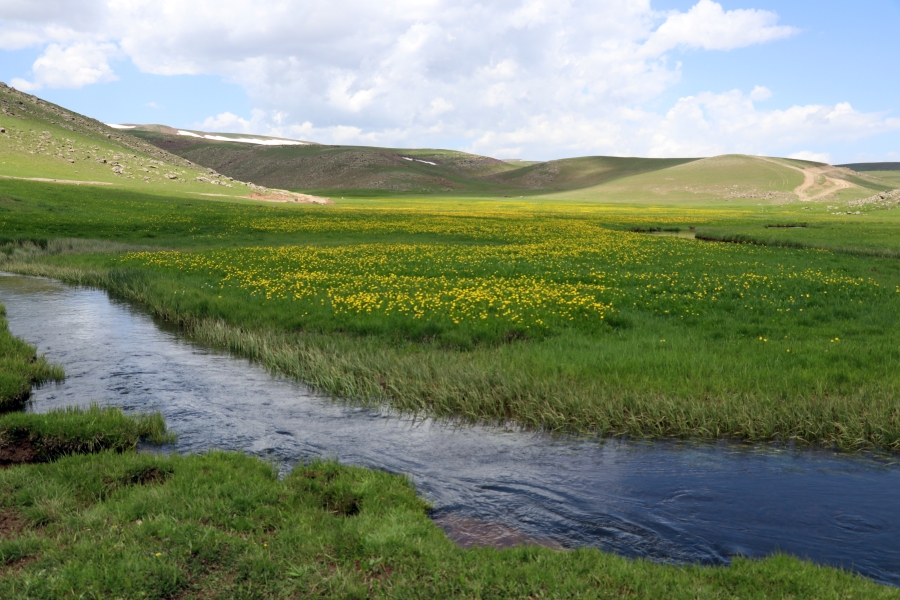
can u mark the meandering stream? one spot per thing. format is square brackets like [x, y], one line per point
[665, 500]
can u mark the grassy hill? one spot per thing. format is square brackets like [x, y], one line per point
[892, 177]
[729, 177]
[875, 166]
[40, 140]
[734, 178]
[582, 172]
[363, 168]
[885, 171]
[368, 171]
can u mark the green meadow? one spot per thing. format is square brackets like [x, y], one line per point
[554, 313]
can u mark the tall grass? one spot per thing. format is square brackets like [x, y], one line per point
[20, 368]
[832, 246]
[14, 250]
[629, 383]
[79, 431]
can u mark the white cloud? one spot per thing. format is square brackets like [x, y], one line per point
[760, 93]
[439, 106]
[16, 40]
[22, 85]
[703, 125]
[534, 78]
[228, 122]
[823, 157]
[708, 26]
[708, 124]
[74, 66]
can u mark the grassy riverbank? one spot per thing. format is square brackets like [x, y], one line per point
[224, 526]
[557, 316]
[96, 519]
[20, 368]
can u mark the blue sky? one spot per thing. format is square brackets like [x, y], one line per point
[521, 78]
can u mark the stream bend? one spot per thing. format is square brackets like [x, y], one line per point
[667, 501]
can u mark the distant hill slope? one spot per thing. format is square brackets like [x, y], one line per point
[580, 173]
[362, 168]
[874, 166]
[19, 108]
[42, 141]
[735, 177]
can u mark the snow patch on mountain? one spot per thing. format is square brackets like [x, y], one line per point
[427, 162]
[244, 140]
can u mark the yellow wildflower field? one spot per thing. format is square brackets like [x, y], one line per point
[514, 274]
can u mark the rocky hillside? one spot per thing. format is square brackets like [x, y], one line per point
[19, 105]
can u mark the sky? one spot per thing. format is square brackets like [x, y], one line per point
[529, 79]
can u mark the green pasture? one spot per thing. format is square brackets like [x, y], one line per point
[892, 177]
[224, 525]
[874, 233]
[555, 315]
[564, 296]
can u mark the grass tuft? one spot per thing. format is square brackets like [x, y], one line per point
[20, 368]
[30, 437]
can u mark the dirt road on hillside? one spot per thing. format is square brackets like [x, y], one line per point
[809, 181]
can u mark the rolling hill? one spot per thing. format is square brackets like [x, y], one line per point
[365, 170]
[873, 166]
[42, 141]
[316, 167]
[738, 178]
[884, 171]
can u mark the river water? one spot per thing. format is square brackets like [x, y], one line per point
[665, 500]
